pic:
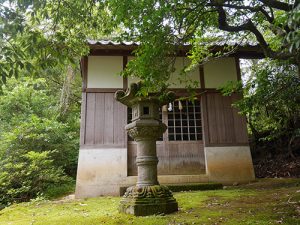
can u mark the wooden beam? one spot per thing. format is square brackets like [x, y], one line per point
[226, 144]
[100, 90]
[237, 67]
[110, 52]
[204, 119]
[201, 73]
[125, 79]
[178, 91]
[84, 71]
[100, 146]
[247, 51]
[83, 119]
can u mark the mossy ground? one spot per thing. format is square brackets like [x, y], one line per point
[267, 201]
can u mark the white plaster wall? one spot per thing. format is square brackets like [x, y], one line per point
[180, 63]
[100, 171]
[132, 79]
[103, 72]
[217, 72]
[175, 77]
[229, 165]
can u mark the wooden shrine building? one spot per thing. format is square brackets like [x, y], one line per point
[205, 142]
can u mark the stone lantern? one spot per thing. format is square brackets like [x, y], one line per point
[147, 197]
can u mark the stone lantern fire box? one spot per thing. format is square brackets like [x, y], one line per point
[147, 197]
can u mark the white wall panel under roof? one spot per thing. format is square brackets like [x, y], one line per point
[217, 72]
[174, 81]
[175, 77]
[132, 79]
[103, 72]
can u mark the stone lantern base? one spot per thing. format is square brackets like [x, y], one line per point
[148, 200]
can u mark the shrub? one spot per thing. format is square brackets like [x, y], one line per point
[38, 149]
[24, 176]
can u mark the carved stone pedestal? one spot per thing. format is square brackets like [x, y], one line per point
[147, 197]
[148, 200]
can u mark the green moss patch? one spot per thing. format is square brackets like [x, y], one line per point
[196, 187]
[260, 203]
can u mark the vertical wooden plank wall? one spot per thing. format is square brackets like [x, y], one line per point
[239, 121]
[104, 121]
[175, 158]
[99, 118]
[223, 126]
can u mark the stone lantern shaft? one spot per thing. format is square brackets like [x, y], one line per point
[146, 162]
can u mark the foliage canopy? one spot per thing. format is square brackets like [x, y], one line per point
[53, 31]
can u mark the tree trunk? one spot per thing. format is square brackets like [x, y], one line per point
[290, 150]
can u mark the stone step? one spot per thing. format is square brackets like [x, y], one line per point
[170, 179]
[186, 187]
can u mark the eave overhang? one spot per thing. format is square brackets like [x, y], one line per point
[126, 49]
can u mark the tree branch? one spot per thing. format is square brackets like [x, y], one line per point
[266, 14]
[278, 5]
[252, 9]
[249, 26]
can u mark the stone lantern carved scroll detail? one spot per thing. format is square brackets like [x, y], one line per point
[147, 197]
[139, 133]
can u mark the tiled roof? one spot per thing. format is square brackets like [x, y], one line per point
[110, 42]
[128, 46]
[132, 43]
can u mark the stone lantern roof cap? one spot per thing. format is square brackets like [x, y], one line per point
[131, 96]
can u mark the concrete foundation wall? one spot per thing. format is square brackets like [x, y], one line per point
[104, 171]
[100, 172]
[229, 165]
